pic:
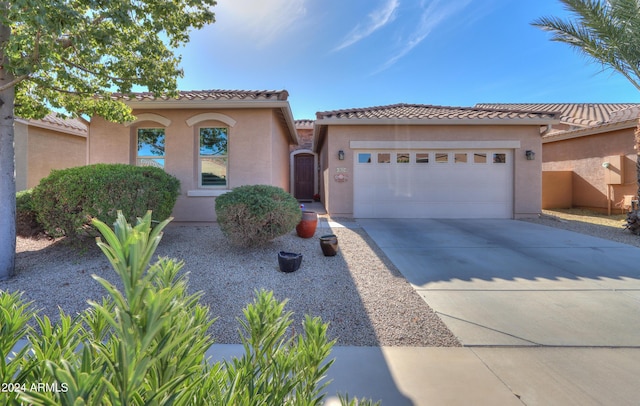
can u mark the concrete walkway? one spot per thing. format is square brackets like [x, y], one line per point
[553, 316]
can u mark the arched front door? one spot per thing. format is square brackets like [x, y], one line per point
[303, 176]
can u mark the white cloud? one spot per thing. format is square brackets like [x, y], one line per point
[262, 22]
[377, 19]
[432, 16]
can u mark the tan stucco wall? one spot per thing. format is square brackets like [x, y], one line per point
[527, 174]
[20, 144]
[557, 189]
[584, 157]
[38, 151]
[257, 150]
[280, 152]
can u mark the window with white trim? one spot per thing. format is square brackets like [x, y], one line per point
[150, 147]
[213, 156]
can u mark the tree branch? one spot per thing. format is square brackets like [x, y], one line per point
[14, 82]
[84, 69]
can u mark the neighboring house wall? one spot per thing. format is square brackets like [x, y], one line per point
[584, 156]
[527, 173]
[258, 150]
[40, 150]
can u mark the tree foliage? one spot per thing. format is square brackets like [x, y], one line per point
[71, 56]
[607, 31]
[64, 53]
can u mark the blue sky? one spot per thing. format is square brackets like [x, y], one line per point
[337, 54]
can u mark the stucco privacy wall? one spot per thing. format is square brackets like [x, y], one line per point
[584, 156]
[40, 150]
[527, 173]
[258, 150]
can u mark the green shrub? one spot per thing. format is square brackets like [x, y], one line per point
[255, 214]
[27, 224]
[68, 199]
[146, 344]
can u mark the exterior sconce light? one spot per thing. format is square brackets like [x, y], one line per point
[530, 155]
[341, 155]
[606, 165]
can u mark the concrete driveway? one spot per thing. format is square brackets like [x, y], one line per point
[513, 283]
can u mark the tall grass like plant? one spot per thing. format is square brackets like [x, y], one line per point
[146, 344]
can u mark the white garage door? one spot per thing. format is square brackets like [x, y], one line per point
[433, 184]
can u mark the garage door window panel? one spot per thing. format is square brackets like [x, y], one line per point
[364, 158]
[499, 158]
[422, 157]
[480, 158]
[442, 157]
[460, 158]
[384, 158]
[403, 158]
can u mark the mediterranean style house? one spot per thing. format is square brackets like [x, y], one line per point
[399, 160]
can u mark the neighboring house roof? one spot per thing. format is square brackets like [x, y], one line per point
[582, 118]
[428, 114]
[618, 120]
[304, 124]
[52, 122]
[573, 114]
[274, 99]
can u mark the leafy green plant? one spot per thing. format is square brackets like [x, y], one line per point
[67, 200]
[146, 344]
[255, 214]
[27, 224]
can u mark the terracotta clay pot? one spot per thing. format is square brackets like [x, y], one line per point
[306, 228]
[329, 245]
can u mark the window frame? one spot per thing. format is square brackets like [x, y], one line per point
[136, 147]
[201, 157]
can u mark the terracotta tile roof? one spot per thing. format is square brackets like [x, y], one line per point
[304, 123]
[53, 122]
[429, 112]
[574, 114]
[618, 120]
[279, 95]
[630, 113]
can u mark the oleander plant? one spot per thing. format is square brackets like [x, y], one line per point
[146, 344]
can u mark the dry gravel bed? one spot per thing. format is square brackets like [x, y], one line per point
[586, 222]
[359, 292]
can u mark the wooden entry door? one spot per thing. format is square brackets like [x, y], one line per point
[304, 176]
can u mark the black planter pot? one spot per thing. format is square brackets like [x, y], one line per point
[329, 245]
[289, 261]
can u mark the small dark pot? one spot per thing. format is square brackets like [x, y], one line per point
[329, 245]
[289, 261]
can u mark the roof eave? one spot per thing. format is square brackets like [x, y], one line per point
[204, 104]
[52, 127]
[584, 132]
[437, 121]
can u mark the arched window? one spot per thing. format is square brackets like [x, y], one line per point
[150, 147]
[213, 157]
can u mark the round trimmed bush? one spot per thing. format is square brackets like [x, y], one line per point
[67, 199]
[255, 214]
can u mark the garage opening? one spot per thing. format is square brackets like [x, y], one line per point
[433, 183]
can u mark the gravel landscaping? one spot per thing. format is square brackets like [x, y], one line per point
[587, 222]
[359, 292]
